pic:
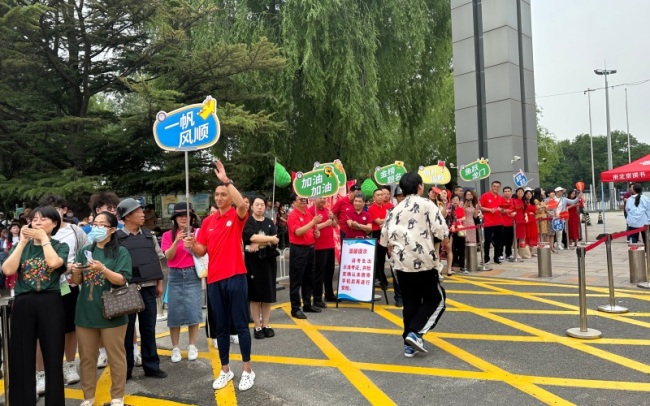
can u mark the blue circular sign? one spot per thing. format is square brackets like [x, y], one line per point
[558, 224]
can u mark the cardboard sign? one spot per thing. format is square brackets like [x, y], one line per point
[189, 128]
[356, 274]
[321, 182]
[339, 171]
[435, 174]
[388, 174]
[476, 170]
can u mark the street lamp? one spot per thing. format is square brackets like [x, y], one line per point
[591, 143]
[605, 72]
[627, 125]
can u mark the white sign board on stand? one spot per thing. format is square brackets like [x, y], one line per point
[356, 273]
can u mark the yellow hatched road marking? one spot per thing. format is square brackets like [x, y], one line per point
[225, 396]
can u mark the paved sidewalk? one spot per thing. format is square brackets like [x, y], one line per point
[565, 262]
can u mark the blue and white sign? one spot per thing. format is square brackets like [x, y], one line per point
[356, 274]
[558, 224]
[520, 179]
[189, 128]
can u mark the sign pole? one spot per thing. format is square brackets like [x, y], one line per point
[187, 192]
[275, 162]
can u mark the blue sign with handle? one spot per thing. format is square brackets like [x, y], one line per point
[558, 224]
[189, 128]
[520, 179]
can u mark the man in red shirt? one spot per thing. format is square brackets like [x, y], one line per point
[324, 253]
[377, 212]
[387, 197]
[492, 222]
[303, 232]
[507, 223]
[220, 237]
[358, 221]
[342, 207]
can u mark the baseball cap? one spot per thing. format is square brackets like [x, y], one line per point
[398, 191]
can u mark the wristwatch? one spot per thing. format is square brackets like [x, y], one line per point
[228, 182]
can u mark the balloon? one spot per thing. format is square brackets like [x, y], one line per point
[580, 186]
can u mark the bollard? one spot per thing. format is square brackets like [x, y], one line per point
[484, 266]
[4, 325]
[636, 256]
[611, 307]
[583, 331]
[471, 260]
[646, 285]
[586, 239]
[544, 260]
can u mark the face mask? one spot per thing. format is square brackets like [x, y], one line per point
[97, 234]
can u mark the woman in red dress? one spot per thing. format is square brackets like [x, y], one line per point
[530, 210]
[573, 224]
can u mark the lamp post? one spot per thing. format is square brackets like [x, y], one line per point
[627, 125]
[591, 143]
[605, 72]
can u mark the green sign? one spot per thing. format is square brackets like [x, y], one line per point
[478, 169]
[321, 182]
[339, 171]
[390, 173]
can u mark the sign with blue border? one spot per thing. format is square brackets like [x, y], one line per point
[189, 128]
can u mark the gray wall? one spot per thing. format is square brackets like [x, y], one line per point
[494, 87]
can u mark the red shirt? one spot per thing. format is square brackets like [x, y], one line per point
[362, 218]
[222, 233]
[341, 209]
[378, 211]
[506, 218]
[491, 201]
[326, 239]
[296, 220]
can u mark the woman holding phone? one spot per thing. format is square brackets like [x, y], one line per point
[98, 267]
[39, 261]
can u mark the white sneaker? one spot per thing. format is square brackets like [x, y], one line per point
[215, 344]
[247, 380]
[137, 359]
[192, 352]
[88, 402]
[117, 402]
[176, 355]
[234, 338]
[40, 383]
[222, 380]
[161, 317]
[70, 373]
[102, 361]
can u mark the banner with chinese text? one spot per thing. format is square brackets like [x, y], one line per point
[356, 280]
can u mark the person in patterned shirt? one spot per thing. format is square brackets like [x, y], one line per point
[408, 234]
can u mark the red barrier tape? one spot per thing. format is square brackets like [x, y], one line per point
[595, 244]
[465, 228]
[626, 233]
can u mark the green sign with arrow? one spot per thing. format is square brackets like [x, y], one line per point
[321, 182]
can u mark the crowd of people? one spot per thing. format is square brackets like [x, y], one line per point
[58, 270]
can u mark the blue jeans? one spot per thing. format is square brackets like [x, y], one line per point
[147, 320]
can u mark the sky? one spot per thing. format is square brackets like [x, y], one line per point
[571, 38]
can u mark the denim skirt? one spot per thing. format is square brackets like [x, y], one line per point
[184, 298]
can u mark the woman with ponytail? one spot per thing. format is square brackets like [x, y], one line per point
[638, 212]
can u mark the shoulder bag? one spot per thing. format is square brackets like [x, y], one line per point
[122, 301]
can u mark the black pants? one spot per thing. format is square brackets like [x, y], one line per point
[380, 260]
[424, 300]
[492, 236]
[301, 275]
[458, 250]
[211, 324]
[147, 322]
[36, 316]
[508, 238]
[324, 274]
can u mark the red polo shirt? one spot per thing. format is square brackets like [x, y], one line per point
[296, 220]
[491, 201]
[221, 233]
[341, 209]
[506, 219]
[378, 211]
[362, 218]
[326, 239]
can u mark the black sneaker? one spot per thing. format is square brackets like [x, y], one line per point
[311, 309]
[399, 303]
[259, 334]
[322, 305]
[156, 374]
[268, 332]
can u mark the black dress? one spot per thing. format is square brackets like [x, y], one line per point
[261, 265]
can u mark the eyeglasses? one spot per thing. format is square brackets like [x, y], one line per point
[101, 225]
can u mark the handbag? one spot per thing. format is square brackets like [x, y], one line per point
[122, 301]
[524, 252]
[200, 263]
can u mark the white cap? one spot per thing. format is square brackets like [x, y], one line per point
[560, 189]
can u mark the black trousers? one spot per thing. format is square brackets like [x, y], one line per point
[458, 250]
[147, 322]
[211, 323]
[380, 260]
[37, 316]
[301, 275]
[424, 300]
[492, 235]
[508, 237]
[323, 274]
